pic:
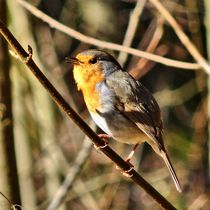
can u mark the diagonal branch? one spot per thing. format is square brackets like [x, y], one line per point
[71, 176]
[131, 29]
[26, 58]
[108, 45]
[182, 36]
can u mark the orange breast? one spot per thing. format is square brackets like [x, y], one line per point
[92, 99]
[87, 78]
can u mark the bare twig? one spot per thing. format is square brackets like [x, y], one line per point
[9, 181]
[108, 45]
[182, 36]
[71, 176]
[87, 199]
[131, 29]
[138, 69]
[26, 58]
[13, 206]
[199, 202]
[177, 96]
[94, 184]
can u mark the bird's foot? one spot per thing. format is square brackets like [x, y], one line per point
[105, 138]
[126, 173]
[102, 146]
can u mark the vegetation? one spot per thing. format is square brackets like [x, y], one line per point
[49, 153]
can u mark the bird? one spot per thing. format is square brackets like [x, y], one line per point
[120, 105]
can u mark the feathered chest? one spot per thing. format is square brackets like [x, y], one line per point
[100, 98]
[87, 80]
[92, 98]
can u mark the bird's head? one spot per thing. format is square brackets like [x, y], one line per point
[92, 66]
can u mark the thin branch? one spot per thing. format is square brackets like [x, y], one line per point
[131, 29]
[13, 206]
[26, 58]
[178, 96]
[87, 39]
[139, 69]
[71, 176]
[9, 180]
[182, 36]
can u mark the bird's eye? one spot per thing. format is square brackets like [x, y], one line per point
[93, 60]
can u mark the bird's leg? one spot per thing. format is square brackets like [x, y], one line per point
[131, 154]
[126, 173]
[105, 137]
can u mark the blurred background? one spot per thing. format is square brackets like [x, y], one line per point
[40, 146]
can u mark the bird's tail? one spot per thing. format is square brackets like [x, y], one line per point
[171, 170]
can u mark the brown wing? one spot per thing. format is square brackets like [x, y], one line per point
[138, 105]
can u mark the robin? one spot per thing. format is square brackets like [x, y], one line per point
[120, 105]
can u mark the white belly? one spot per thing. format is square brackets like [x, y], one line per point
[101, 122]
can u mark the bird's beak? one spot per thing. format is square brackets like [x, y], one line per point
[75, 61]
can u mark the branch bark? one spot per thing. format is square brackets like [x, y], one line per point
[182, 36]
[8, 167]
[103, 44]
